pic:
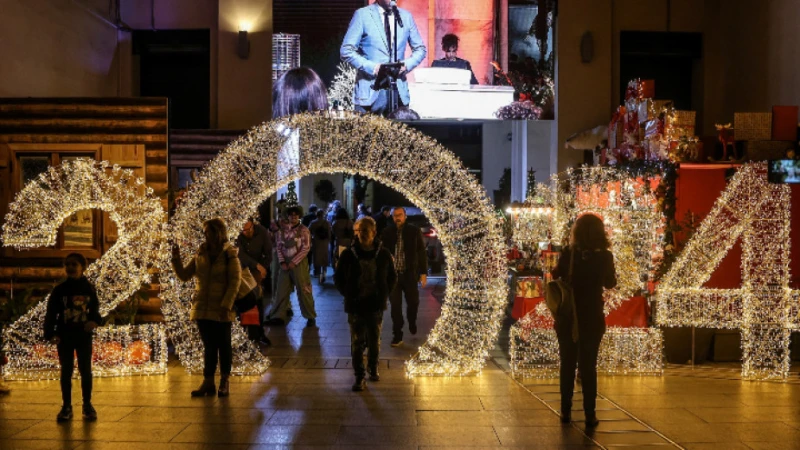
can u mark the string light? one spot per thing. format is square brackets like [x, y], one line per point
[628, 207]
[33, 221]
[427, 174]
[765, 309]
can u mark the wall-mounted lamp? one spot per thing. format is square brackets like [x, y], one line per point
[243, 45]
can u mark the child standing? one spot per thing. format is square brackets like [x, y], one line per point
[73, 312]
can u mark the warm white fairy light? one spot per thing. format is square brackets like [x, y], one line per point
[117, 350]
[430, 176]
[635, 226]
[764, 308]
[33, 221]
[534, 351]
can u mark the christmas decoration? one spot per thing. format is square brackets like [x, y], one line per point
[430, 176]
[765, 309]
[33, 221]
[340, 95]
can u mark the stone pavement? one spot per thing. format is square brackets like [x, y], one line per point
[304, 401]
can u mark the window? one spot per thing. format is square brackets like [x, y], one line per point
[80, 231]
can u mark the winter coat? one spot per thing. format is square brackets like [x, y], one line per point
[216, 283]
[343, 237]
[348, 275]
[415, 253]
[593, 270]
[255, 250]
[71, 304]
[319, 247]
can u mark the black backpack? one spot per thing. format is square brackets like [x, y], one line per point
[368, 282]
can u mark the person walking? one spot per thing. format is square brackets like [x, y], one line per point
[383, 218]
[588, 266]
[405, 243]
[320, 230]
[217, 274]
[255, 255]
[365, 277]
[293, 244]
[342, 234]
[73, 312]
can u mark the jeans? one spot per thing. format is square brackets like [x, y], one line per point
[365, 332]
[583, 354]
[216, 337]
[70, 344]
[406, 284]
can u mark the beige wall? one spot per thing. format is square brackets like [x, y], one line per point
[55, 48]
[583, 90]
[245, 85]
[170, 15]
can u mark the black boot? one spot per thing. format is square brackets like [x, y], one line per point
[207, 388]
[224, 386]
[359, 385]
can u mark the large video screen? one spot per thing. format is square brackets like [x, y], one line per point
[409, 59]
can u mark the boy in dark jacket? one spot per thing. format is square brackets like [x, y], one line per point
[365, 276]
[73, 312]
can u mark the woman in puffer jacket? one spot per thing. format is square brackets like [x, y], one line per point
[217, 274]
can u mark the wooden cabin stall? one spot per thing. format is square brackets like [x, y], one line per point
[39, 132]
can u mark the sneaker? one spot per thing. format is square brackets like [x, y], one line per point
[412, 328]
[265, 341]
[397, 342]
[89, 412]
[311, 323]
[374, 375]
[359, 385]
[65, 414]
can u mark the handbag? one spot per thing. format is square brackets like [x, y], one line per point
[560, 298]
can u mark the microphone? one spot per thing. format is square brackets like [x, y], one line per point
[396, 13]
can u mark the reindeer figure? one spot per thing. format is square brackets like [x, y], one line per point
[726, 138]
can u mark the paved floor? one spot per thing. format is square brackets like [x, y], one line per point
[304, 401]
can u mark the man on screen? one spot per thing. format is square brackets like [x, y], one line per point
[368, 43]
[451, 59]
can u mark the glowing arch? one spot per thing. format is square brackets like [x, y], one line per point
[247, 173]
[42, 206]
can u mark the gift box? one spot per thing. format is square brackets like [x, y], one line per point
[681, 123]
[646, 110]
[659, 105]
[652, 129]
[616, 130]
[648, 89]
[765, 150]
[784, 123]
[752, 126]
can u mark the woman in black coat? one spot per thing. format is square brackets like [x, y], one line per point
[592, 271]
[365, 276]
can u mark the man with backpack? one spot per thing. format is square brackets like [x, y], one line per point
[320, 230]
[365, 276]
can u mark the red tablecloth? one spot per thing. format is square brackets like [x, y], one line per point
[631, 313]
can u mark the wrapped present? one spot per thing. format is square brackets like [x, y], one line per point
[680, 123]
[660, 105]
[784, 123]
[765, 150]
[616, 130]
[648, 89]
[634, 90]
[645, 110]
[652, 128]
[752, 126]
